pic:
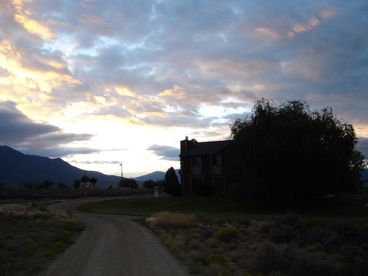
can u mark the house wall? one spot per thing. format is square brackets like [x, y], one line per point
[203, 169]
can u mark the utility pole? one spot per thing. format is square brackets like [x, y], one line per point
[121, 169]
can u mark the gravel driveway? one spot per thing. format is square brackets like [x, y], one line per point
[113, 245]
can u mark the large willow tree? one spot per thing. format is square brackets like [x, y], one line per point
[287, 152]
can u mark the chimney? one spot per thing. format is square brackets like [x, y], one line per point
[184, 146]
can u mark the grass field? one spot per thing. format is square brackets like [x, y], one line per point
[222, 236]
[31, 237]
[329, 206]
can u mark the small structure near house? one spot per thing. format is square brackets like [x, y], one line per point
[87, 185]
[202, 167]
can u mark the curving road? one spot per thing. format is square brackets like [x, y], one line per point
[113, 245]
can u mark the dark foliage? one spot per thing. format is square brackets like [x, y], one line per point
[149, 184]
[76, 183]
[289, 152]
[128, 183]
[286, 228]
[171, 183]
[61, 185]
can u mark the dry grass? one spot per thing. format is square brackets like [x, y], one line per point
[31, 236]
[279, 245]
[172, 220]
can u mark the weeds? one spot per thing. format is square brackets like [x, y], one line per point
[283, 245]
[74, 225]
[30, 238]
[227, 233]
[172, 220]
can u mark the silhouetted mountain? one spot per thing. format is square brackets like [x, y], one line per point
[155, 176]
[17, 168]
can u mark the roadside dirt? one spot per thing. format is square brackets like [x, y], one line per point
[113, 245]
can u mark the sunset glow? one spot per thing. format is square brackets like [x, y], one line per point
[98, 83]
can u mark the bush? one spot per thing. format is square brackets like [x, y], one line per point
[217, 259]
[269, 258]
[345, 230]
[74, 225]
[283, 233]
[227, 233]
[175, 220]
[286, 228]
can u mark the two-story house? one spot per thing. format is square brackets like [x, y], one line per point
[202, 166]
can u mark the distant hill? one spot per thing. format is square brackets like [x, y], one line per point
[17, 168]
[155, 176]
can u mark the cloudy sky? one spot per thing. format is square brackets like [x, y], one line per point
[102, 82]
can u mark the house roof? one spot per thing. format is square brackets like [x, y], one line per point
[205, 148]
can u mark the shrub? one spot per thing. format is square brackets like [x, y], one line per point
[175, 243]
[286, 228]
[207, 233]
[175, 220]
[74, 225]
[50, 254]
[345, 230]
[196, 267]
[215, 269]
[306, 265]
[352, 253]
[268, 258]
[217, 259]
[59, 246]
[195, 244]
[227, 233]
[282, 233]
[290, 219]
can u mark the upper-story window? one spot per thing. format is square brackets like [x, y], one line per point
[195, 161]
[216, 159]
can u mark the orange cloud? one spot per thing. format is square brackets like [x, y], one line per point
[266, 32]
[301, 28]
[24, 18]
[176, 92]
[30, 87]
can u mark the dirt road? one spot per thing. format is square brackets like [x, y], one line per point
[113, 245]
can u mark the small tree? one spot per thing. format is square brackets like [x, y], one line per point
[46, 184]
[149, 184]
[85, 178]
[94, 181]
[76, 183]
[61, 185]
[128, 183]
[171, 183]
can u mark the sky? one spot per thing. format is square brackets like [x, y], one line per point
[98, 83]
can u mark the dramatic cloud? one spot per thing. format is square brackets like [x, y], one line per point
[193, 65]
[19, 131]
[165, 152]
[16, 128]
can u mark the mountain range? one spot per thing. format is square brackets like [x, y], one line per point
[17, 168]
[155, 176]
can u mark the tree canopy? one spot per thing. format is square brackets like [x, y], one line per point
[289, 151]
[171, 183]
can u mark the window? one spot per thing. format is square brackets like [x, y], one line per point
[195, 161]
[216, 159]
